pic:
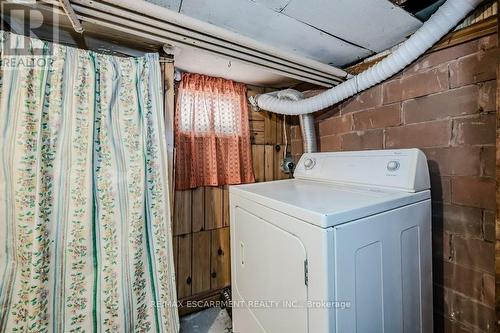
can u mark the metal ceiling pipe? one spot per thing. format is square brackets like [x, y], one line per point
[151, 30]
[157, 33]
[156, 23]
[179, 35]
[446, 18]
[175, 18]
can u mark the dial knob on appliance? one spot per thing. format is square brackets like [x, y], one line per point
[309, 163]
[393, 165]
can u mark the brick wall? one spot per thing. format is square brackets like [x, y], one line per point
[444, 104]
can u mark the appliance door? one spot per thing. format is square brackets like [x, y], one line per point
[269, 285]
[383, 266]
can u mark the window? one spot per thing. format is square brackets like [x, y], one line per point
[212, 136]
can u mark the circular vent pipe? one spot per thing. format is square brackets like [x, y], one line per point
[306, 120]
[440, 23]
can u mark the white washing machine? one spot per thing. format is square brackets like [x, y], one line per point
[344, 247]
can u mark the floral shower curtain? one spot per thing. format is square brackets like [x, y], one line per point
[85, 233]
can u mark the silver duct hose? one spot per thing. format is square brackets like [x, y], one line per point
[308, 133]
[446, 18]
[306, 120]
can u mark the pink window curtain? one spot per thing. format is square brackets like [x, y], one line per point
[212, 137]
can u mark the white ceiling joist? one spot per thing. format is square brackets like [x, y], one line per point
[149, 21]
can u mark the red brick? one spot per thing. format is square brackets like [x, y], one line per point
[489, 232]
[383, 116]
[324, 114]
[329, 143]
[421, 84]
[479, 130]
[474, 191]
[462, 279]
[421, 135]
[361, 140]
[454, 161]
[474, 68]
[474, 253]
[489, 289]
[488, 95]
[452, 53]
[335, 125]
[456, 102]
[467, 311]
[441, 245]
[441, 189]
[364, 100]
[462, 220]
[488, 161]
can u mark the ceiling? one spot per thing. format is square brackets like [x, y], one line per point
[336, 32]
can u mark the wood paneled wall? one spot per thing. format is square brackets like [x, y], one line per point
[497, 213]
[268, 136]
[201, 240]
[201, 216]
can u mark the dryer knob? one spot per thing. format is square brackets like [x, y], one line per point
[393, 165]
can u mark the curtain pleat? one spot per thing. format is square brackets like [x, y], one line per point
[85, 228]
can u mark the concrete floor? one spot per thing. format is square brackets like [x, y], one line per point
[212, 320]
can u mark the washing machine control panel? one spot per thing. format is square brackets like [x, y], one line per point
[401, 168]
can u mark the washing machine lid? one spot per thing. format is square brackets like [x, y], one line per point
[323, 204]
[335, 188]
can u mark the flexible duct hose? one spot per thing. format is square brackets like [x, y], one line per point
[446, 18]
[306, 120]
[308, 133]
